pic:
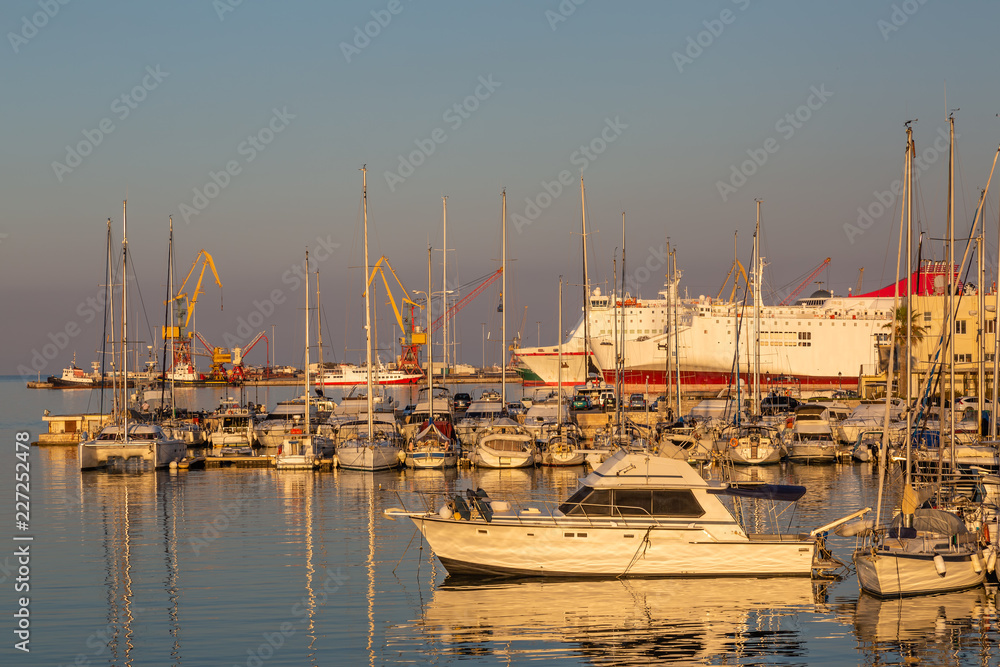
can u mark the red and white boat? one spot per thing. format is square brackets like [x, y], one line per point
[349, 374]
[819, 341]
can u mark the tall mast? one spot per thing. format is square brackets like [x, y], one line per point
[430, 341]
[307, 345]
[620, 371]
[677, 345]
[586, 287]
[559, 374]
[319, 331]
[503, 299]
[124, 401]
[996, 344]
[950, 255]
[670, 328]
[757, 275]
[909, 291]
[108, 303]
[444, 282]
[368, 314]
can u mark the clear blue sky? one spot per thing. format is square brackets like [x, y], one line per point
[683, 92]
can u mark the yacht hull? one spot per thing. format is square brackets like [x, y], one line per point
[899, 574]
[581, 550]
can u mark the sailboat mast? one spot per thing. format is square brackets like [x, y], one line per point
[620, 369]
[950, 254]
[444, 281]
[368, 314]
[677, 345]
[757, 276]
[430, 342]
[124, 402]
[909, 291]
[503, 299]
[319, 333]
[586, 287]
[307, 345]
[559, 374]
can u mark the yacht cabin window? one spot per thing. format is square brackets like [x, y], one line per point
[588, 501]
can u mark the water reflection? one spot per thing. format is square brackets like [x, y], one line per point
[618, 622]
[127, 508]
[931, 628]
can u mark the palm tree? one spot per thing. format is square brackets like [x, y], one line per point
[898, 326]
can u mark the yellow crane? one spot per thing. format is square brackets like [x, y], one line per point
[176, 332]
[735, 271]
[412, 338]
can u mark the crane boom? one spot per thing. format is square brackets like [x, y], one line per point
[189, 304]
[812, 274]
[464, 301]
[735, 275]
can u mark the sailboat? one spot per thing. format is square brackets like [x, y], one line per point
[922, 550]
[504, 443]
[754, 443]
[303, 451]
[125, 440]
[431, 447]
[363, 446]
[561, 444]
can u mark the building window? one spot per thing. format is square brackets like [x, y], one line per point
[991, 326]
[963, 358]
[927, 316]
[959, 326]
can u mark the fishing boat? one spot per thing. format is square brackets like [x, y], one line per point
[125, 440]
[637, 515]
[304, 451]
[369, 449]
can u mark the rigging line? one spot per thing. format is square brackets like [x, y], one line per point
[643, 545]
[142, 304]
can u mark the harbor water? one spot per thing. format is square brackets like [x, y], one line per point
[253, 566]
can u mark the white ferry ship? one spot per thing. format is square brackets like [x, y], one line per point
[821, 340]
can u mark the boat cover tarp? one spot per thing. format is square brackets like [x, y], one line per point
[934, 521]
[783, 492]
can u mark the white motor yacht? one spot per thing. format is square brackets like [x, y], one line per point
[636, 515]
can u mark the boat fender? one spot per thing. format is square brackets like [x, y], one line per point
[445, 511]
[734, 442]
[986, 533]
[790, 422]
[401, 455]
[336, 461]
[939, 564]
[991, 561]
[977, 563]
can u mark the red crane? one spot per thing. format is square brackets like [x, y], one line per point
[812, 274]
[464, 301]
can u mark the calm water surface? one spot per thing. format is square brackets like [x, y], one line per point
[257, 567]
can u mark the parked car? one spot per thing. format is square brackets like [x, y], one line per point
[461, 401]
[637, 402]
[580, 403]
[608, 401]
[774, 404]
[515, 408]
